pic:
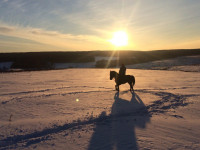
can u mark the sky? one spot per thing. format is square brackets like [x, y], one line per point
[84, 25]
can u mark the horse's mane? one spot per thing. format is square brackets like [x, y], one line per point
[114, 72]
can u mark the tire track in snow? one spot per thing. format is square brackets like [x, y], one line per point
[44, 90]
[167, 101]
[28, 93]
[38, 136]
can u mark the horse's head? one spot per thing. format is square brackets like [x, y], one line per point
[112, 74]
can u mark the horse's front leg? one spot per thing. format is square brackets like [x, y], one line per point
[117, 87]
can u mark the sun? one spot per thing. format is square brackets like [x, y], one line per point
[120, 38]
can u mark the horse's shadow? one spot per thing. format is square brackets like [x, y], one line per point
[118, 131]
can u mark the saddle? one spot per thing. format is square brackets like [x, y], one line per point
[121, 78]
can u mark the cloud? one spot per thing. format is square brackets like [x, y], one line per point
[41, 32]
[52, 38]
[5, 1]
[5, 29]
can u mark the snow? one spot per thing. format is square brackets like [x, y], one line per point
[39, 110]
[5, 65]
[74, 65]
[186, 63]
[98, 58]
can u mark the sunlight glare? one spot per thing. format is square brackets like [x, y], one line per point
[120, 38]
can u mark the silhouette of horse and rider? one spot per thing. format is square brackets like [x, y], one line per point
[122, 78]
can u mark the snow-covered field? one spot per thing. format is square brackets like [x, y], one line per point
[185, 63]
[78, 109]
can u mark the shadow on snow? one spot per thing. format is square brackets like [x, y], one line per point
[119, 132]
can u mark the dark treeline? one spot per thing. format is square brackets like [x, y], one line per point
[45, 60]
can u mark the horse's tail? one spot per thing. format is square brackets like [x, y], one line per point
[133, 81]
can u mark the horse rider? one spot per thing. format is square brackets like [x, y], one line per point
[122, 71]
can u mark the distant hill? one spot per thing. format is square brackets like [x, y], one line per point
[46, 60]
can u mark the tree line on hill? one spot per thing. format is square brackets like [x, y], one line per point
[45, 60]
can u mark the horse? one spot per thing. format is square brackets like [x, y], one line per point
[122, 80]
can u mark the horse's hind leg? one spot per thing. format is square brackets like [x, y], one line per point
[131, 87]
[117, 87]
